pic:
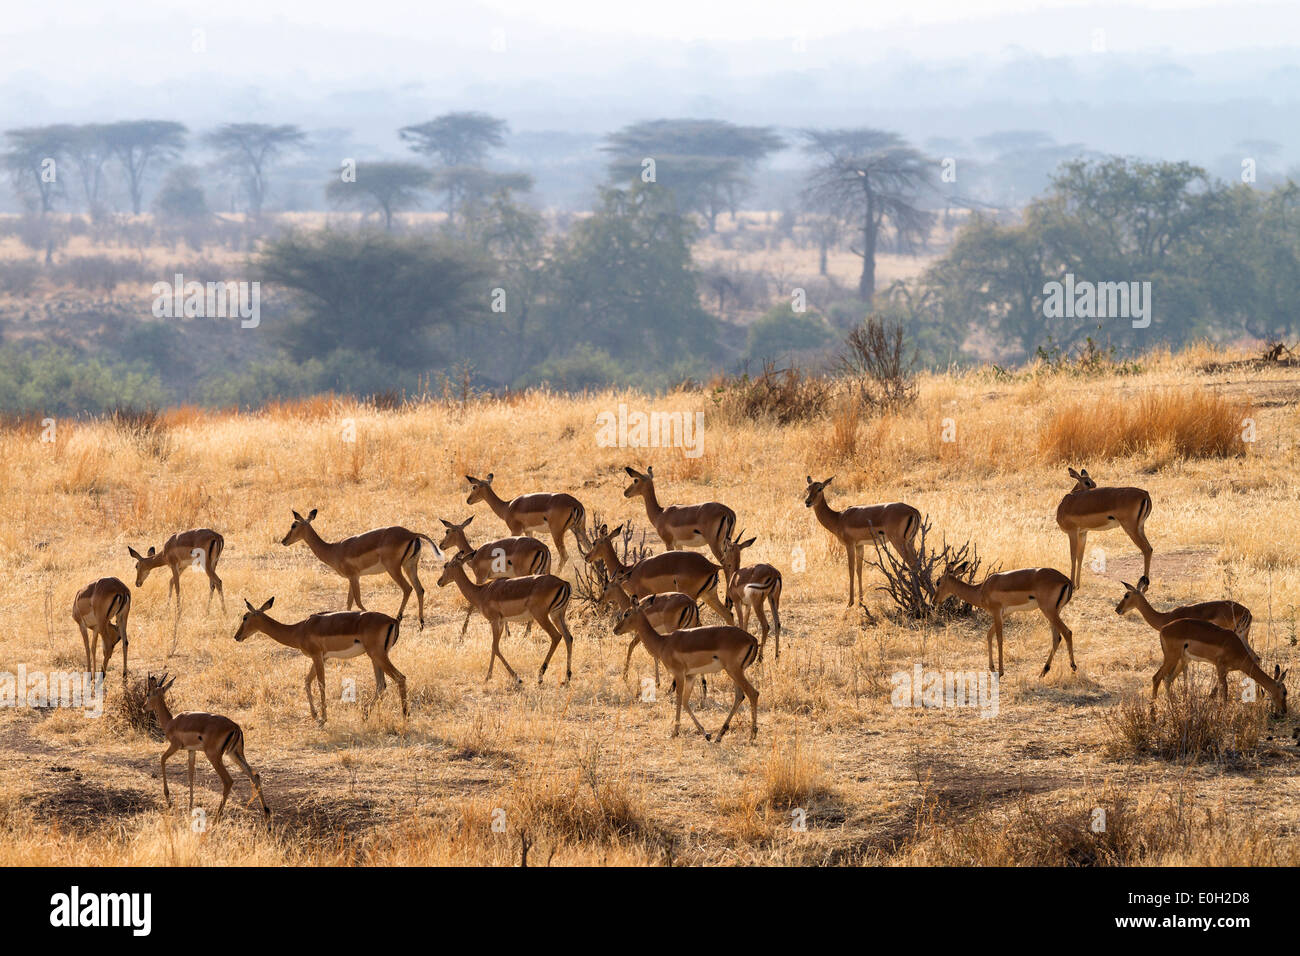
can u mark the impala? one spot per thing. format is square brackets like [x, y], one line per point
[666, 612]
[683, 526]
[695, 651]
[543, 598]
[1008, 591]
[337, 634]
[557, 513]
[855, 528]
[749, 588]
[394, 550]
[503, 558]
[692, 574]
[101, 608]
[1226, 614]
[1089, 508]
[200, 548]
[215, 735]
[1192, 640]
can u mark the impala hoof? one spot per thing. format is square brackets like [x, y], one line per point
[710, 737]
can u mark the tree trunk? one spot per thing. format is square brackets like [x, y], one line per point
[867, 282]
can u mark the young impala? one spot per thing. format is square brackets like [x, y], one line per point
[666, 612]
[1192, 640]
[200, 549]
[394, 550]
[1227, 614]
[856, 528]
[193, 731]
[749, 588]
[686, 571]
[543, 598]
[696, 651]
[557, 513]
[1046, 589]
[101, 608]
[335, 635]
[683, 526]
[503, 558]
[1089, 508]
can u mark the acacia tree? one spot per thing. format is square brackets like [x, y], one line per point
[89, 149]
[386, 187]
[32, 161]
[251, 148]
[457, 139]
[139, 145]
[869, 179]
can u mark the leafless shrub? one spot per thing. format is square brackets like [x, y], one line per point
[777, 395]
[876, 361]
[590, 580]
[1193, 726]
[146, 428]
[911, 588]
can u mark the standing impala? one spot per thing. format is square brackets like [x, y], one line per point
[200, 549]
[1089, 508]
[855, 528]
[683, 526]
[1192, 640]
[394, 550]
[749, 588]
[193, 731]
[503, 558]
[543, 598]
[101, 608]
[557, 513]
[686, 571]
[1226, 614]
[1009, 591]
[696, 651]
[335, 635]
[667, 612]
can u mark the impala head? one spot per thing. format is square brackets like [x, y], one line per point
[252, 619]
[448, 570]
[1279, 681]
[603, 544]
[142, 564]
[1130, 599]
[640, 482]
[627, 620]
[815, 490]
[158, 686]
[298, 530]
[454, 539]
[1081, 480]
[731, 553]
[478, 488]
[612, 589]
[953, 575]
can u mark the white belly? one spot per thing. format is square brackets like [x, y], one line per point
[525, 616]
[1014, 608]
[347, 652]
[372, 569]
[710, 668]
[90, 621]
[694, 541]
[1188, 655]
[534, 521]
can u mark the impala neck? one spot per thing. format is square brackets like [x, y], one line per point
[652, 639]
[828, 516]
[458, 540]
[286, 634]
[653, 509]
[161, 712]
[467, 587]
[496, 503]
[157, 561]
[967, 592]
[319, 546]
[1150, 614]
[619, 597]
[613, 565]
[1263, 678]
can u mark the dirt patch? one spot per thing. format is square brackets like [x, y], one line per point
[83, 805]
[1166, 566]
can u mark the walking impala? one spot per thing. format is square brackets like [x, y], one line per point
[666, 612]
[101, 608]
[334, 635]
[683, 526]
[394, 550]
[200, 549]
[1226, 614]
[1089, 508]
[1192, 640]
[686, 571]
[1009, 591]
[749, 588]
[543, 598]
[557, 513]
[855, 528]
[215, 735]
[503, 558]
[696, 651]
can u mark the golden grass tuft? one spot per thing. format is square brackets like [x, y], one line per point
[1192, 727]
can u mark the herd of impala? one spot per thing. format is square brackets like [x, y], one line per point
[657, 599]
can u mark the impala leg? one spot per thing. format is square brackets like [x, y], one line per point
[496, 652]
[465, 626]
[162, 766]
[679, 685]
[85, 640]
[175, 586]
[859, 553]
[318, 665]
[628, 663]
[735, 705]
[413, 572]
[395, 572]
[1137, 533]
[1223, 682]
[710, 597]
[774, 602]
[556, 636]
[214, 584]
[557, 529]
[237, 752]
[227, 781]
[192, 755]
[988, 640]
[997, 629]
[1060, 630]
[1076, 549]
[1056, 639]
[762, 623]
[398, 678]
[381, 685]
[311, 701]
[848, 550]
[685, 694]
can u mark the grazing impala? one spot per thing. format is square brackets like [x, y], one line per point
[696, 651]
[1227, 614]
[394, 550]
[338, 634]
[1089, 508]
[101, 608]
[200, 549]
[557, 513]
[543, 598]
[215, 735]
[1192, 640]
[749, 588]
[683, 526]
[692, 574]
[667, 612]
[855, 528]
[503, 558]
[1009, 591]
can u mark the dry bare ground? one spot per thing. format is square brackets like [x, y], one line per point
[587, 774]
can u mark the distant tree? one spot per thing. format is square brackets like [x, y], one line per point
[472, 185]
[181, 207]
[782, 333]
[89, 150]
[386, 187]
[32, 160]
[139, 145]
[251, 148]
[869, 179]
[457, 139]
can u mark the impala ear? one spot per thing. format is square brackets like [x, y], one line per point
[249, 605]
[490, 477]
[1072, 472]
[1127, 586]
[631, 471]
[465, 523]
[447, 524]
[828, 481]
[600, 532]
[312, 515]
[297, 517]
[133, 552]
[808, 478]
[746, 544]
[1084, 472]
[471, 479]
[267, 605]
[152, 552]
[1277, 671]
[1143, 583]
[618, 531]
[650, 472]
